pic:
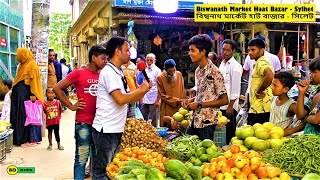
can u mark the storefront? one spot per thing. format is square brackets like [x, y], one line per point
[11, 34]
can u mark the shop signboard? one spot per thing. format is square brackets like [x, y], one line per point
[183, 4]
[42, 54]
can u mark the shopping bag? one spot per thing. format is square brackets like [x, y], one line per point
[138, 113]
[242, 117]
[33, 112]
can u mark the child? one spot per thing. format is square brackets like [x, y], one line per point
[311, 107]
[52, 109]
[283, 108]
[7, 84]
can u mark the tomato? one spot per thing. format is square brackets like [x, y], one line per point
[262, 173]
[246, 169]
[235, 148]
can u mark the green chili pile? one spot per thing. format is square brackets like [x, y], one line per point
[298, 156]
[181, 147]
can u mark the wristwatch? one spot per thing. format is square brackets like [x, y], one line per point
[199, 106]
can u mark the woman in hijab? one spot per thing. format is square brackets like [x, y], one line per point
[26, 83]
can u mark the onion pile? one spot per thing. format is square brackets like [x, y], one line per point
[139, 133]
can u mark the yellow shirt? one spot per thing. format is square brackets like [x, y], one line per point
[130, 72]
[260, 105]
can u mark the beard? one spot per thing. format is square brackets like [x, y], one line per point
[171, 78]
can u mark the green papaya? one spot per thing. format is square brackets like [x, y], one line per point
[206, 178]
[176, 169]
[196, 172]
[188, 178]
[154, 174]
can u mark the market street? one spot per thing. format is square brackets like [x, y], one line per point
[48, 165]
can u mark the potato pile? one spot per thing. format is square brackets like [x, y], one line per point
[139, 133]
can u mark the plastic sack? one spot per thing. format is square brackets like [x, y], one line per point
[138, 113]
[242, 116]
[33, 112]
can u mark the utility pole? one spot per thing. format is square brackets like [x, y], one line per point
[39, 40]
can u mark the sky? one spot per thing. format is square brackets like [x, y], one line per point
[60, 6]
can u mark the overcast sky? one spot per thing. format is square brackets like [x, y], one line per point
[60, 6]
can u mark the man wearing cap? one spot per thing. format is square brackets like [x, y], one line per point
[170, 89]
[151, 101]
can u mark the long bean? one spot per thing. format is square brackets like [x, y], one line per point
[300, 155]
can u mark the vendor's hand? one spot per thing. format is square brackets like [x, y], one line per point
[229, 111]
[174, 124]
[261, 95]
[303, 86]
[80, 104]
[157, 104]
[184, 103]
[192, 106]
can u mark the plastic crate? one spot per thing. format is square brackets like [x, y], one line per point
[220, 137]
[2, 150]
[9, 141]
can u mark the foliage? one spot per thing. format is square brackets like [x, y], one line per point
[58, 30]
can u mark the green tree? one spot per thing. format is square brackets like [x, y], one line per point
[58, 29]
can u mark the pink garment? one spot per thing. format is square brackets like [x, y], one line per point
[33, 112]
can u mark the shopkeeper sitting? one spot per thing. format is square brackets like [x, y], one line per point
[311, 107]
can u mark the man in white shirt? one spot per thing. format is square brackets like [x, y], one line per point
[65, 69]
[248, 64]
[151, 101]
[231, 71]
[111, 109]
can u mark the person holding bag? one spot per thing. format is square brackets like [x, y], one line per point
[26, 82]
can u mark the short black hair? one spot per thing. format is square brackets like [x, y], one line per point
[257, 42]
[116, 42]
[8, 83]
[231, 42]
[55, 55]
[202, 42]
[63, 60]
[51, 50]
[315, 64]
[96, 51]
[286, 78]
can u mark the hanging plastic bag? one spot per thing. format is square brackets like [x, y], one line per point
[33, 112]
[242, 117]
[138, 113]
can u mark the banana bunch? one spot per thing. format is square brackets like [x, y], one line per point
[222, 119]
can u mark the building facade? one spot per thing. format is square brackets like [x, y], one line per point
[11, 36]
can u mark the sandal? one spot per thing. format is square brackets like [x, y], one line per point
[49, 148]
[61, 148]
[24, 145]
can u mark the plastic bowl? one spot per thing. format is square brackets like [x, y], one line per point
[162, 131]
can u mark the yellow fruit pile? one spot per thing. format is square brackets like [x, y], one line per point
[147, 156]
[242, 166]
[222, 119]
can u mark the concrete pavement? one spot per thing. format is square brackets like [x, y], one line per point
[49, 165]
